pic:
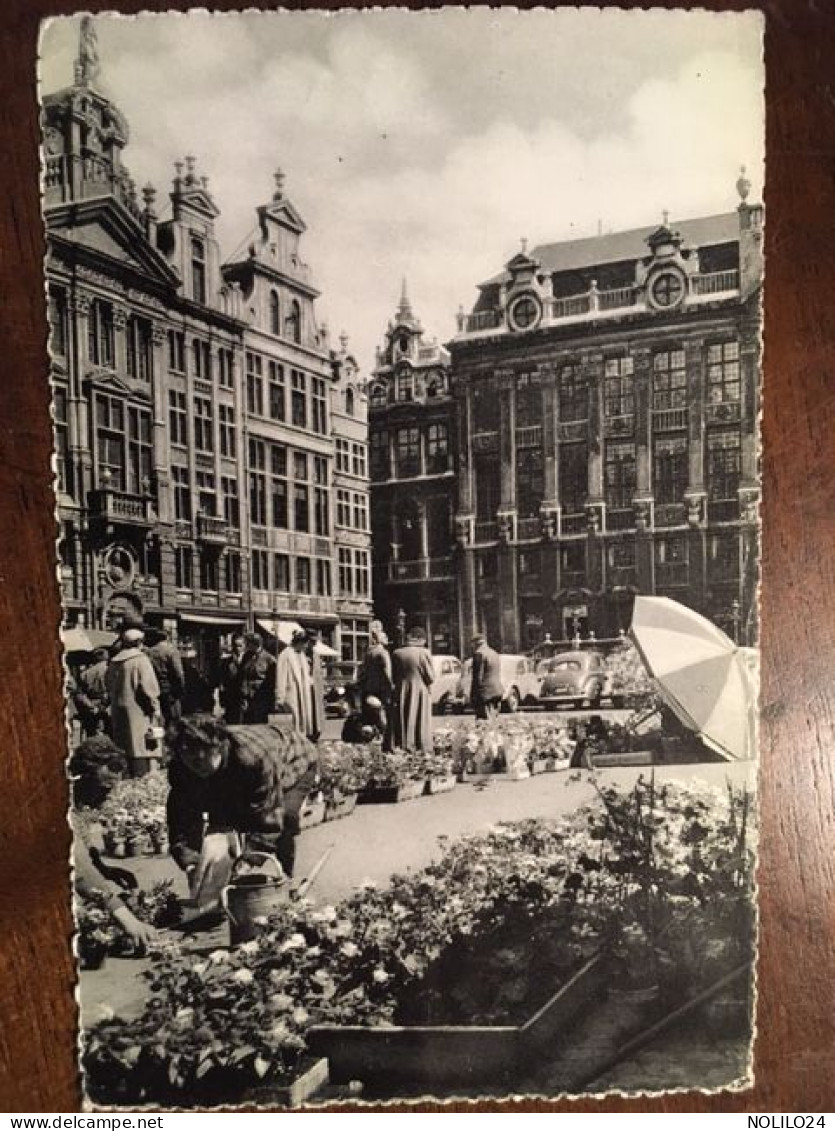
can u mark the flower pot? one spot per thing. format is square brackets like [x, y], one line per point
[311, 813]
[538, 765]
[390, 794]
[340, 807]
[440, 784]
[91, 953]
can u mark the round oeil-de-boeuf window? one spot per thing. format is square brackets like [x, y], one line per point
[667, 290]
[525, 313]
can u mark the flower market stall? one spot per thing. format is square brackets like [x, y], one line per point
[646, 890]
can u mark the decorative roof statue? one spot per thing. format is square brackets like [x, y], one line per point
[87, 64]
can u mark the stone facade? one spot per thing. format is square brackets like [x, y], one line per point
[607, 395]
[413, 476]
[195, 420]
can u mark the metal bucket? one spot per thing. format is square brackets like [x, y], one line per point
[251, 897]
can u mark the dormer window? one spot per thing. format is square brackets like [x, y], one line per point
[275, 313]
[379, 396]
[405, 385]
[198, 270]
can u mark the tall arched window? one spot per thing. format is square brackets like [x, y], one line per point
[275, 313]
[349, 402]
[198, 270]
[293, 325]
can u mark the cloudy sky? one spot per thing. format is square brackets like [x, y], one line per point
[427, 144]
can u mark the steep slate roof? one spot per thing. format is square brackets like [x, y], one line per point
[616, 247]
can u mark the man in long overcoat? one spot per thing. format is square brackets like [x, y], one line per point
[487, 688]
[133, 692]
[411, 714]
[257, 681]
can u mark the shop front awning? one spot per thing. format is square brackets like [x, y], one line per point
[207, 618]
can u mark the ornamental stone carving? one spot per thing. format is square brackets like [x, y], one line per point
[594, 519]
[749, 509]
[120, 317]
[548, 524]
[695, 510]
[463, 531]
[643, 516]
[80, 302]
[504, 525]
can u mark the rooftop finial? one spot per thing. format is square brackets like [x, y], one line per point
[279, 184]
[343, 341]
[524, 243]
[190, 162]
[87, 64]
[405, 306]
[743, 185]
[665, 217]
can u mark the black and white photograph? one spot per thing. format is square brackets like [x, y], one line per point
[406, 381]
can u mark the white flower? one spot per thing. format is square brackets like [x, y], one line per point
[244, 977]
[380, 976]
[250, 947]
[218, 956]
[300, 1015]
[200, 968]
[349, 949]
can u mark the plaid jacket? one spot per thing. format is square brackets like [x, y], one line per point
[269, 772]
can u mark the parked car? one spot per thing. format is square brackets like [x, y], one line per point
[340, 684]
[572, 679]
[520, 681]
[447, 673]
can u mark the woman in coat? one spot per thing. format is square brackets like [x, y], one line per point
[294, 686]
[133, 692]
[411, 715]
[375, 680]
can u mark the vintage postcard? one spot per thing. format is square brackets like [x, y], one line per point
[406, 380]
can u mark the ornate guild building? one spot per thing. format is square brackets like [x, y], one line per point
[197, 402]
[412, 448]
[607, 394]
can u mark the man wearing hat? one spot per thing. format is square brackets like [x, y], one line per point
[133, 691]
[486, 691]
[168, 668]
[257, 681]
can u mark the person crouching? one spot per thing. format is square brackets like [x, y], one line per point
[248, 780]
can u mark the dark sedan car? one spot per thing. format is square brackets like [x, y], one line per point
[572, 679]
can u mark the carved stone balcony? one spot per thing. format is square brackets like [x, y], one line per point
[212, 529]
[119, 507]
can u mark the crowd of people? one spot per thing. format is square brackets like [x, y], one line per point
[241, 750]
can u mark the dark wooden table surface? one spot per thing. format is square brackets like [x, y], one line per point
[796, 968]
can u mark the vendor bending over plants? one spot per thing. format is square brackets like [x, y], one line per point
[96, 766]
[245, 780]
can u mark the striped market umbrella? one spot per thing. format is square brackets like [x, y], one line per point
[705, 679]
